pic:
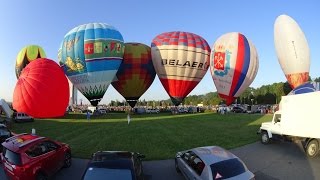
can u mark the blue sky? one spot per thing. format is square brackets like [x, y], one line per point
[45, 23]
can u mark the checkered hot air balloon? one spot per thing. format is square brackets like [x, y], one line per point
[233, 64]
[90, 56]
[136, 73]
[181, 59]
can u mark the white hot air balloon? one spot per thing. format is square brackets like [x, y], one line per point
[234, 65]
[292, 50]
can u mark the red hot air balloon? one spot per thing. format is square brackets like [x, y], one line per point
[181, 59]
[42, 90]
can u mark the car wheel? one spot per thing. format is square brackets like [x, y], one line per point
[177, 167]
[41, 176]
[265, 137]
[67, 160]
[312, 148]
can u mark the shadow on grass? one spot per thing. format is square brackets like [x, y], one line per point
[158, 136]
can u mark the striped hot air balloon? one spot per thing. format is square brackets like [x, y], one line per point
[90, 56]
[233, 64]
[181, 59]
[136, 73]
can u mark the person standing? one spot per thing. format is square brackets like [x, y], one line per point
[88, 115]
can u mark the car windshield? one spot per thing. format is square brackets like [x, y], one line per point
[94, 173]
[226, 169]
[4, 132]
[12, 157]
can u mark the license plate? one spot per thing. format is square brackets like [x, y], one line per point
[8, 166]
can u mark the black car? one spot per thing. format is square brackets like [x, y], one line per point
[114, 165]
[4, 134]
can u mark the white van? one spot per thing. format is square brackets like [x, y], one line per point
[22, 117]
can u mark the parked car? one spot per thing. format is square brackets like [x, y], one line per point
[237, 109]
[152, 111]
[27, 156]
[102, 111]
[22, 117]
[86, 110]
[4, 134]
[211, 163]
[114, 165]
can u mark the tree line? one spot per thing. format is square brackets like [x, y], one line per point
[266, 94]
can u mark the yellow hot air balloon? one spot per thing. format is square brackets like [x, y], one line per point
[26, 55]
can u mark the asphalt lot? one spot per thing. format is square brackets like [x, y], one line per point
[279, 160]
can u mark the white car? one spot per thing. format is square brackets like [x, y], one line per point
[102, 111]
[211, 163]
[149, 111]
[22, 117]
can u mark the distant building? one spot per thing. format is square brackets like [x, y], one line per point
[73, 94]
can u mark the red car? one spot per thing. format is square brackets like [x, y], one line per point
[33, 157]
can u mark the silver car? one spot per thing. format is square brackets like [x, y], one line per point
[211, 163]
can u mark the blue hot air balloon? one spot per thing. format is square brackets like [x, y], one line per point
[90, 56]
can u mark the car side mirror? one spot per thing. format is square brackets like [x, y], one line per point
[178, 155]
[141, 156]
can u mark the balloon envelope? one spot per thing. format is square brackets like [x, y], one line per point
[136, 73]
[292, 50]
[26, 55]
[306, 87]
[181, 59]
[42, 90]
[90, 56]
[233, 64]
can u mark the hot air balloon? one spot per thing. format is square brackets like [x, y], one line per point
[42, 90]
[181, 59]
[292, 50]
[26, 55]
[136, 73]
[90, 56]
[233, 65]
[306, 87]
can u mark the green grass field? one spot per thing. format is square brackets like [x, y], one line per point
[158, 136]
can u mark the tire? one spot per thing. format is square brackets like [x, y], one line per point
[312, 148]
[67, 160]
[41, 176]
[177, 167]
[265, 139]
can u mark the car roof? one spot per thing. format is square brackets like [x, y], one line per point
[20, 142]
[112, 155]
[212, 154]
[112, 159]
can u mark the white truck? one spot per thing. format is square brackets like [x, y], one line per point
[297, 119]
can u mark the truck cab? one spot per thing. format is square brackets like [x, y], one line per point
[275, 130]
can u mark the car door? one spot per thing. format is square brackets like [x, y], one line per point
[55, 157]
[48, 158]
